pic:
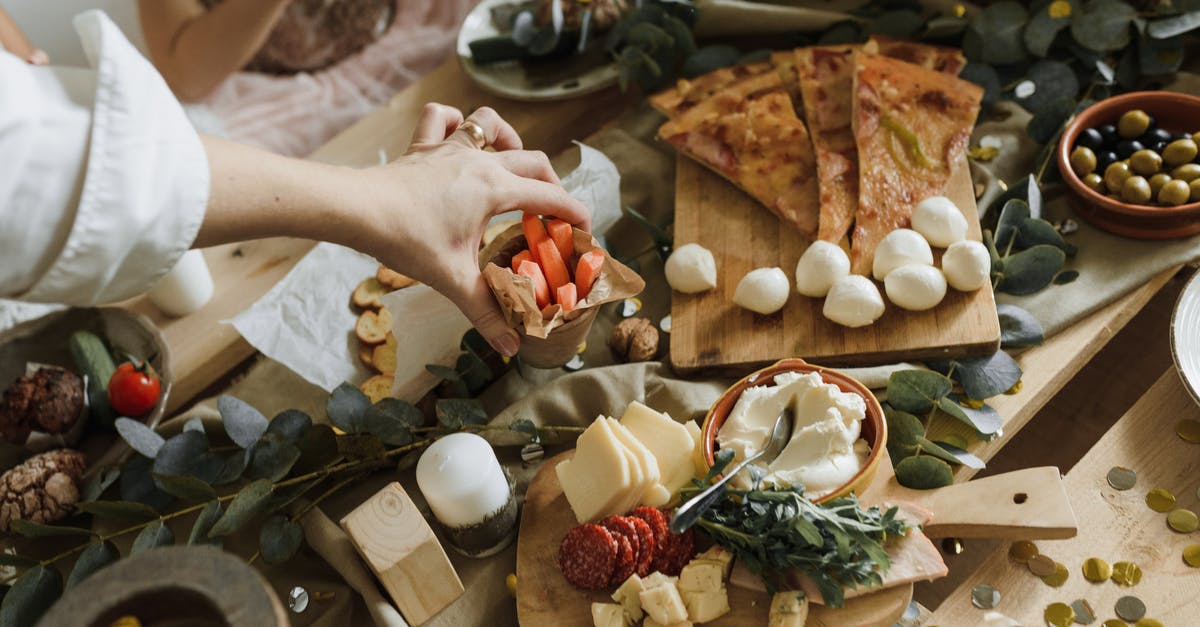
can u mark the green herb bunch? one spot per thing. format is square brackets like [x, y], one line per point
[772, 530]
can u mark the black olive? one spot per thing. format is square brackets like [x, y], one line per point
[1154, 135]
[1181, 136]
[1158, 146]
[1127, 147]
[1109, 133]
[1105, 159]
[1090, 138]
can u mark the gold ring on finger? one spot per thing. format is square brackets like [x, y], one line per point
[475, 133]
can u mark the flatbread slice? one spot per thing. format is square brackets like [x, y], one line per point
[911, 127]
[687, 93]
[749, 134]
[826, 75]
[937, 58]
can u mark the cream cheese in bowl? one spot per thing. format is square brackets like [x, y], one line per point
[824, 451]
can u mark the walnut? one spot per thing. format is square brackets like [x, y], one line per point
[605, 13]
[44, 488]
[634, 339]
[50, 399]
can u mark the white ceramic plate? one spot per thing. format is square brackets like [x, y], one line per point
[509, 79]
[1185, 336]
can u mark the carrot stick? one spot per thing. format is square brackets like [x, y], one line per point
[561, 233]
[552, 264]
[534, 231]
[566, 296]
[541, 291]
[588, 271]
[524, 255]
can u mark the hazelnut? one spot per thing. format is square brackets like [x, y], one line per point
[634, 339]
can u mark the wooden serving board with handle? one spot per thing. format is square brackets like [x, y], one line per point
[977, 508]
[709, 331]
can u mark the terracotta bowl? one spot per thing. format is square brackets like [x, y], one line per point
[1173, 111]
[874, 427]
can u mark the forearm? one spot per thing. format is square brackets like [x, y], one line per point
[196, 49]
[11, 37]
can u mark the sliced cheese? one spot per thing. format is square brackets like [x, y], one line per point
[646, 462]
[707, 605]
[788, 609]
[698, 462]
[670, 442]
[598, 478]
[627, 596]
[663, 604]
[702, 576]
[608, 615]
[637, 475]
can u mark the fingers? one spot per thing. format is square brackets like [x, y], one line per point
[38, 57]
[436, 123]
[530, 164]
[496, 132]
[480, 307]
[549, 199]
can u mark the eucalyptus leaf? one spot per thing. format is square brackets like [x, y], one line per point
[97, 555]
[984, 377]
[931, 448]
[441, 372]
[944, 26]
[1105, 71]
[986, 77]
[899, 23]
[282, 497]
[185, 487]
[1067, 276]
[709, 58]
[292, 424]
[1048, 121]
[346, 407]
[17, 561]
[155, 534]
[393, 420]
[526, 426]
[1044, 26]
[1031, 269]
[475, 372]
[99, 483]
[233, 466]
[139, 437]
[119, 510]
[279, 539]
[923, 472]
[361, 446]
[903, 431]
[916, 391]
[1052, 80]
[30, 596]
[963, 456]
[317, 448]
[1172, 26]
[194, 424]
[204, 522]
[1018, 327]
[1033, 231]
[209, 468]
[248, 503]
[30, 529]
[1157, 57]
[984, 420]
[453, 413]
[999, 26]
[244, 424]
[273, 458]
[1128, 69]
[847, 32]
[1103, 25]
[178, 456]
[1013, 213]
[137, 485]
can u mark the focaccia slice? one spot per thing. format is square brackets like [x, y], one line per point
[937, 58]
[911, 127]
[826, 75]
[749, 134]
[687, 93]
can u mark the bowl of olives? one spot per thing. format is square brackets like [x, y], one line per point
[1132, 163]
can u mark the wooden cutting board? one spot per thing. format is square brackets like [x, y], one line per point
[981, 508]
[709, 331]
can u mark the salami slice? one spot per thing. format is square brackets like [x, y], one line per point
[646, 553]
[620, 525]
[626, 561]
[588, 556]
[680, 550]
[658, 524]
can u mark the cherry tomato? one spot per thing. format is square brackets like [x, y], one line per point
[133, 389]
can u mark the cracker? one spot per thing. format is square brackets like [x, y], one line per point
[377, 387]
[372, 327]
[367, 294]
[365, 352]
[383, 358]
[393, 280]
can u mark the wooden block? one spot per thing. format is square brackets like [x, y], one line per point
[403, 552]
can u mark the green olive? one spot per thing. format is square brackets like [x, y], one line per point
[1196, 137]
[1133, 123]
[1175, 192]
[1095, 182]
[1186, 172]
[1145, 162]
[1179, 151]
[1136, 190]
[1157, 181]
[1115, 175]
[1083, 161]
[1194, 190]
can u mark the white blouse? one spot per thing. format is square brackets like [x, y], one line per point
[103, 181]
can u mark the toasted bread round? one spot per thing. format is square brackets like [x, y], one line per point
[393, 280]
[383, 358]
[365, 351]
[367, 294]
[372, 327]
[377, 387]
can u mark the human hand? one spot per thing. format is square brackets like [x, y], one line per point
[450, 188]
[38, 57]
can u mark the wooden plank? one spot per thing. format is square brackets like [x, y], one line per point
[1117, 525]
[709, 331]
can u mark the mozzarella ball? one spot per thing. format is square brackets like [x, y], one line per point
[967, 265]
[940, 221]
[819, 266]
[915, 287]
[691, 269]
[853, 301]
[764, 290]
[898, 248]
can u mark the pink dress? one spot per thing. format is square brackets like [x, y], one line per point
[327, 64]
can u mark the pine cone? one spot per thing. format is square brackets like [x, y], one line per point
[44, 488]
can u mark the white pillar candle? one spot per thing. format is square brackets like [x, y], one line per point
[186, 288]
[462, 480]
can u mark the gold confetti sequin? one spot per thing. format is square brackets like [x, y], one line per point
[1121, 478]
[510, 582]
[1126, 574]
[985, 597]
[1059, 9]
[1096, 569]
[127, 621]
[983, 153]
[1114, 622]
[1148, 622]
[1183, 520]
[1084, 614]
[1059, 615]
[1189, 430]
[952, 546]
[1041, 565]
[1191, 555]
[1022, 551]
[1160, 500]
[1057, 578]
[1130, 608]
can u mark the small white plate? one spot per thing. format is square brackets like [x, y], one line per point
[1185, 336]
[509, 79]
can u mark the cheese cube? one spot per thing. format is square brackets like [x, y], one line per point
[642, 457]
[597, 480]
[670, 442]
[788, 609]
[707, 605]
[698, 449]
[701, 576]
[656, 579]
[663, 604]
[717, 553]
[650, 622]
[608, 615]
[627, 596]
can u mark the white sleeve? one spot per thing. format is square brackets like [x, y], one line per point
[103, 181]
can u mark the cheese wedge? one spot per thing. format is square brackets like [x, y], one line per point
[598, 479]
[647, 464]
[670, 442]
[698, 448]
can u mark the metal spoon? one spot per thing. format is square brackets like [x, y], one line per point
[690, 512]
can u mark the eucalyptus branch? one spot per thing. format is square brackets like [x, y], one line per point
[315, 502]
